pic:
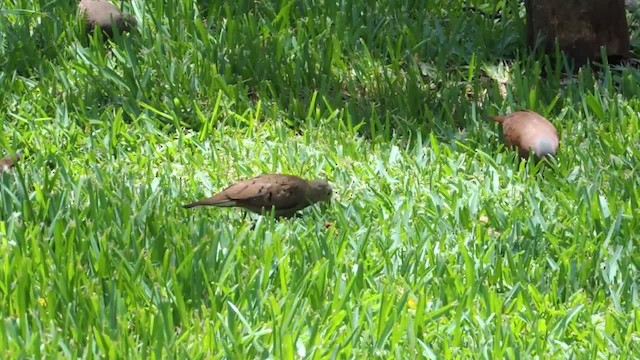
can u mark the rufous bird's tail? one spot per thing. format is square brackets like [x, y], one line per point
[498, 118]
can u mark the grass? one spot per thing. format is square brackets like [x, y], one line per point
[438, 244]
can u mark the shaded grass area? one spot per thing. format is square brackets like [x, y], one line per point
[439, 243]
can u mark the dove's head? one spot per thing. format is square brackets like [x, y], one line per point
[319, 190]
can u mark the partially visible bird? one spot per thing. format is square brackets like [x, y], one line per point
[286, 194]
[9, 161]
[102, 14]
[529, 132]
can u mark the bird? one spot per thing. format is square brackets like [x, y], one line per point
[530, 132]
[101, 13]
[9, 161]
[286, 194]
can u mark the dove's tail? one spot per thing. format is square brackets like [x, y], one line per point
[209, 202]
[498, 118]
[193, 204]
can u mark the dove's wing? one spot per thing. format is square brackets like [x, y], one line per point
[283, 192]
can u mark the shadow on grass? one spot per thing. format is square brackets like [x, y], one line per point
[34, 36]
[394, 68]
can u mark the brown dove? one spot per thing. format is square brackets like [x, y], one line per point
[285, 193]
[529, 132]
[8, 161]
[101, 13]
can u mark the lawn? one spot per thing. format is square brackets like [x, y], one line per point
[439, 242]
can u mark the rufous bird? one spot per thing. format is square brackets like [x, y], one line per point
[286, 194]
[529, 132]
[9, 161]
[102, 14]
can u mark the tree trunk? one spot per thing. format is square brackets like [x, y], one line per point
[581, 28]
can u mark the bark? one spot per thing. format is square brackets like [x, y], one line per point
[581, 27]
